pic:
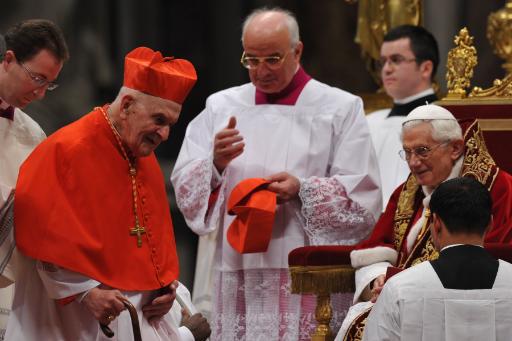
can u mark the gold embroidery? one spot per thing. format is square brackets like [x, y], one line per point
[404, 210]
[356, 329]
[478, 163]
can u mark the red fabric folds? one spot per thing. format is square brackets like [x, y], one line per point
[254, 207]
[74, 208]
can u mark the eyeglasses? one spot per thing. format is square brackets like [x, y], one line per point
[38, 79]
[421, 153]
[272, 62]
[394, 60]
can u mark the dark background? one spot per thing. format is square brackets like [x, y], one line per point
[99, 34]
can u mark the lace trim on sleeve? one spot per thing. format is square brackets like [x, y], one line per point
[331, 217]
[192, 193]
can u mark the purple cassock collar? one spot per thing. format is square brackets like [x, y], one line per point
[6, 111]
[287, 96]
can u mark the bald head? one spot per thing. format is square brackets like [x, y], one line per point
[267, 22]
[272, 33]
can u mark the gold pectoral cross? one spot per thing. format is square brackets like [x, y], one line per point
[138, 231]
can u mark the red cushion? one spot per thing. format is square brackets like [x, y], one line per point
[340, 254]
[320, 255]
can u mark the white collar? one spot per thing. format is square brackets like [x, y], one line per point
[423, 93]
[4, 104]
[453, 245]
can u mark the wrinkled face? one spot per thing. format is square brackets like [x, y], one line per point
[401, 75]
[21, 86]
[146, 122]
[264, 38]
[436, 167]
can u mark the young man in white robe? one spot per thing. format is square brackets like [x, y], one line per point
[465, 294]
[32, 56]
[409, 57]
[311, 141]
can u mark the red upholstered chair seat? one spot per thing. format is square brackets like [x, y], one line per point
[320, 255]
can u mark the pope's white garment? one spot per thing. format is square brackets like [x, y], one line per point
[414, 306]
[324, 141]
[36, 315]
[385, 132]
[17, 140]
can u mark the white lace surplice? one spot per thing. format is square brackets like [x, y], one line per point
[324, 141]
[17, 140]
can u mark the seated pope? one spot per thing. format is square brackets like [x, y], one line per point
[464, 294]
[436, 149]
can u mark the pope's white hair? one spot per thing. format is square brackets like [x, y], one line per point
[290, 21]
[442, 130]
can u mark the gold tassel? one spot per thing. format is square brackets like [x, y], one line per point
[322, 279]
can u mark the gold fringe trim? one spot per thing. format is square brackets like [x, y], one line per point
[322, 279]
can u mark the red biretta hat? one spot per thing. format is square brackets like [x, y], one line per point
[254, 207]
[149, 72]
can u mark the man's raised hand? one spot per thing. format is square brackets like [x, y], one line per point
[227, 145]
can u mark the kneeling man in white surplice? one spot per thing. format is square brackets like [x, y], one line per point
[463, 295]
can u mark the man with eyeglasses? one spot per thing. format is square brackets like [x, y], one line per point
[435, 150]
[92, 217]
[32, 56]
[311, 142]
[409, 57]
[465, 294]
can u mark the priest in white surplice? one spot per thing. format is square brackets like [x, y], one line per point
[463, 295]
[312, 142]
[32, 57]
[408, 60]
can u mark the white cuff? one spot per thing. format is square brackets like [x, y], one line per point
[185, 334]
[366, 274]
[216, 178]
[365, 257]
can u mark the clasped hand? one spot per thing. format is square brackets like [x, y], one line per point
[106, 304]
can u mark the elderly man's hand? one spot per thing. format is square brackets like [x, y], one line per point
[378, 284]
[104, 304]
[285, 185]
[197, 324]
[161, 305]
[227, 145]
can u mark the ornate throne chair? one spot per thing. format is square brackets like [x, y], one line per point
[324, 270]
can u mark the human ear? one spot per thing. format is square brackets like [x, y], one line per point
[126, 103]
[457, 148]
[9, 57]
[435, 229]
[426, 68]
[298, 51]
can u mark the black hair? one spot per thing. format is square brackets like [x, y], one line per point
[28, 37]
[423, 44]
[463, 204]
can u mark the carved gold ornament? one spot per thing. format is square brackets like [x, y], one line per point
[462, 59]
[499, 33]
